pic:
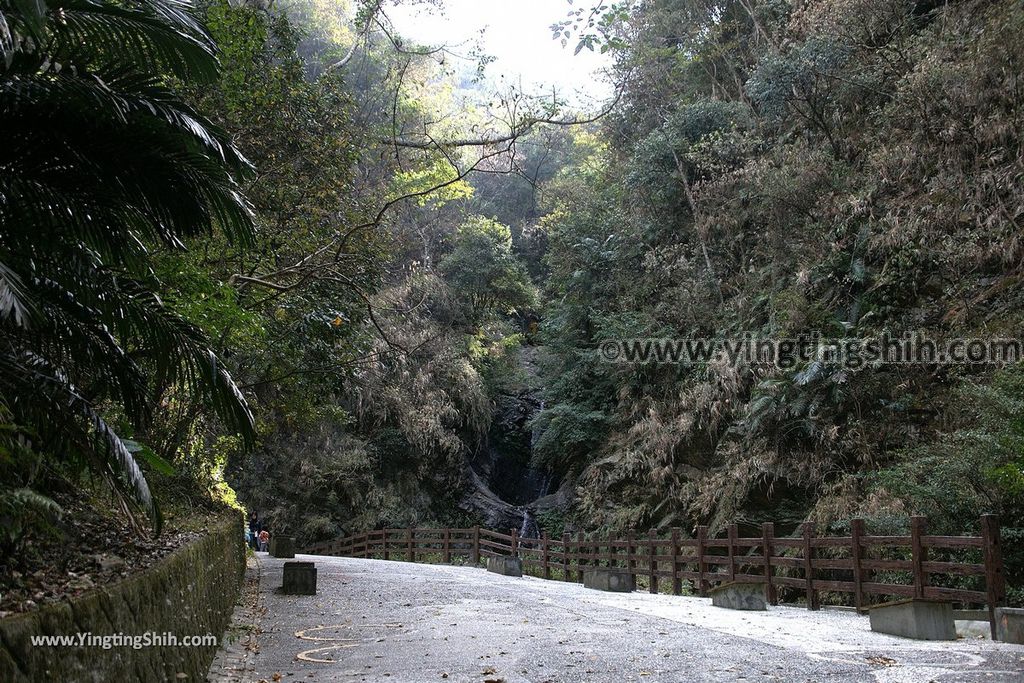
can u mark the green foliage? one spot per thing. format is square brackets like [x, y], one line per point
[568, 433]
[773, 169]
[484, 272]
[21, 511]
[778, 79]
[106, 163]
[423, 179]
[977, 468]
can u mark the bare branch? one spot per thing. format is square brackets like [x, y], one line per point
[522, 128]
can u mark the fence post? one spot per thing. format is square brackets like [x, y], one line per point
[545, 551]
[812, 595]
[611, 550]
[732, 552]
[918, 554]
[565, 556]
[410, 553]
[447, 545]
[652, 563]
[677, 583]
[579, 560]
[857, 554]
[515, 543]
[995, 579]
[767, 538]
[387, 556]
[476, 546]
[702, 567]
[631, 553]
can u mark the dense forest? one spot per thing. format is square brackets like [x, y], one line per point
[274, 255]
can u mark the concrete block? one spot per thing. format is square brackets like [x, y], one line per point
[970, 615]
[739, 595]
[1010, 625]
[973, 629]
[299, 578]
[611, 580]
[282, 546]
[915, 618]
[506, 566]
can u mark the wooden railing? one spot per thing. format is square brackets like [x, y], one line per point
[960, 569]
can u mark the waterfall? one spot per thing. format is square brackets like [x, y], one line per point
[535, 432]
[529, 527]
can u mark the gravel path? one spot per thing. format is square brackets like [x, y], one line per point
[393, 621]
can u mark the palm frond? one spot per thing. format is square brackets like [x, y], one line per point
[30, 376]
[143, 38]
[15, 303]
[102, 159]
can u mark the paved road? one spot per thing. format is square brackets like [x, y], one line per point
[393, 621]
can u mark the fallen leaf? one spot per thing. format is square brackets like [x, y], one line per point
[883, 661]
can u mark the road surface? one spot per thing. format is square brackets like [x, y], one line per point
[411, 623]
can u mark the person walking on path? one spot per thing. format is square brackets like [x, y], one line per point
[254, 530]
[264, 540]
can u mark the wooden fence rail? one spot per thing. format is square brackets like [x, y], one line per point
[859, 568]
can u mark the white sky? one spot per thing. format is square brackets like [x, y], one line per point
[519, 35]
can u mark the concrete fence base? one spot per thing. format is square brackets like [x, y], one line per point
[1010, 625]
[506, 566]
[299, 578]
[737, 595]
[915, 618]
[609, 580]
[282, 546]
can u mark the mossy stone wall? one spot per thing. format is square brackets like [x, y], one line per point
[191, 592]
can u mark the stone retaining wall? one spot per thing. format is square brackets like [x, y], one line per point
[191, 592]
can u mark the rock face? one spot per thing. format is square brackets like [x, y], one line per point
[736, 595]
[496, 513]
[918, 619]
[505, 490]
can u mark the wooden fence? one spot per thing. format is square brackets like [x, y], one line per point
[858, 569]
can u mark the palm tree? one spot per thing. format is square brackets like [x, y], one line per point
[100, 161]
